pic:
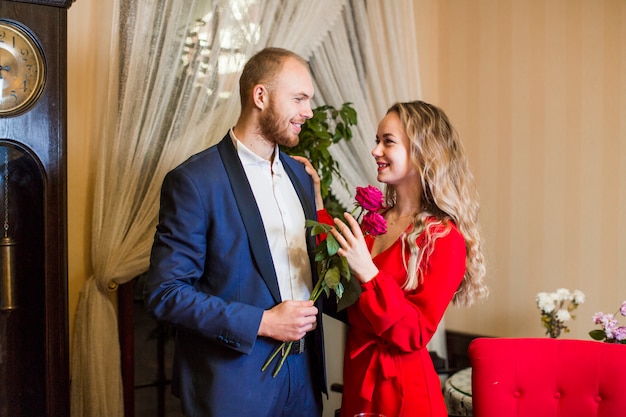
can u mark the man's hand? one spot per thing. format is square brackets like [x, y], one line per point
[289, 320]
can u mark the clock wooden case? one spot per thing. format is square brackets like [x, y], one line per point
[34, 348]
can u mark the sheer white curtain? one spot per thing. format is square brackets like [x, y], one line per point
[172, 92]
[370, 59]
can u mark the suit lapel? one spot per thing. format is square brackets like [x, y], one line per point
[250, 215]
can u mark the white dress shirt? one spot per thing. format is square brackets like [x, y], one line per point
[283, 219]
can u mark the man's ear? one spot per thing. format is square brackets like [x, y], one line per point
[260, 96]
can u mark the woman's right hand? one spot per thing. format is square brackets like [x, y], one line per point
[308, 167]
[354, 249]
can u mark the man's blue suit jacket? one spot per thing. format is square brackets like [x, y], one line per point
[211, 275]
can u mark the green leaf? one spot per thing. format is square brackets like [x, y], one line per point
[339, 291]
[324, 139]
[332, 245]
[316, 137]
[597, 334]
[348, 114]
[332, 277]
[352, 291]
[319, 228]
[340, 132]
[344, 267]
[327, 291]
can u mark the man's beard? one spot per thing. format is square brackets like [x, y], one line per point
[272, 130]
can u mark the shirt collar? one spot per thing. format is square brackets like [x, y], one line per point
[248, 157]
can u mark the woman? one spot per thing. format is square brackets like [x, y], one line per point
[430, 255]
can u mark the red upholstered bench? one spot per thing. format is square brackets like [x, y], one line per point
[542, 377]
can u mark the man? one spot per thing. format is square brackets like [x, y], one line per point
[231, 265]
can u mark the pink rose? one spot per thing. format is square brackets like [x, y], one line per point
[373, 223]
[370, 198]
[622, 309]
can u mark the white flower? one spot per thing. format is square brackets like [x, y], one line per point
[579, 297]
[563, 294]
[545, 302]
[563, 315]
[556, 308]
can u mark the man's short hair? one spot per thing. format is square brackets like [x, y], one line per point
[263, 68]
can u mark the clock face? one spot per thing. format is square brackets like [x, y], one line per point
[22, 68]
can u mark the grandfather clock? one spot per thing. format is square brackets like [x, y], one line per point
[34, 365]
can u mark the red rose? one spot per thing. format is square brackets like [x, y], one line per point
[373, 223]
[370, 198]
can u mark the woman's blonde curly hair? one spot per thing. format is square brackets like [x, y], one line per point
[448, 194]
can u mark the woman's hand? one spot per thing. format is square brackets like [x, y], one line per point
[308, 167]
[354, 248]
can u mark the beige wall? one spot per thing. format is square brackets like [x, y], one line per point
[83, 42]
[537, 90]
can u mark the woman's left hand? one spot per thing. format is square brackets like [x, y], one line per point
[354, 249]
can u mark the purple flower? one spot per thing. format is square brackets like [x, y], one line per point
[373, 223]
[610, 326]
[620, 333]
[608, 321]
[598, 318]
[611, 331]
[370, 198]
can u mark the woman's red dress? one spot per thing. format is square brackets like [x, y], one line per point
[387, 366]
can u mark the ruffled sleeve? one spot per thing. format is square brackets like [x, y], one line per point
[409, 319]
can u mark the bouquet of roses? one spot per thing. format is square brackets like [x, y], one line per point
[333, 270]
[611, 331]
